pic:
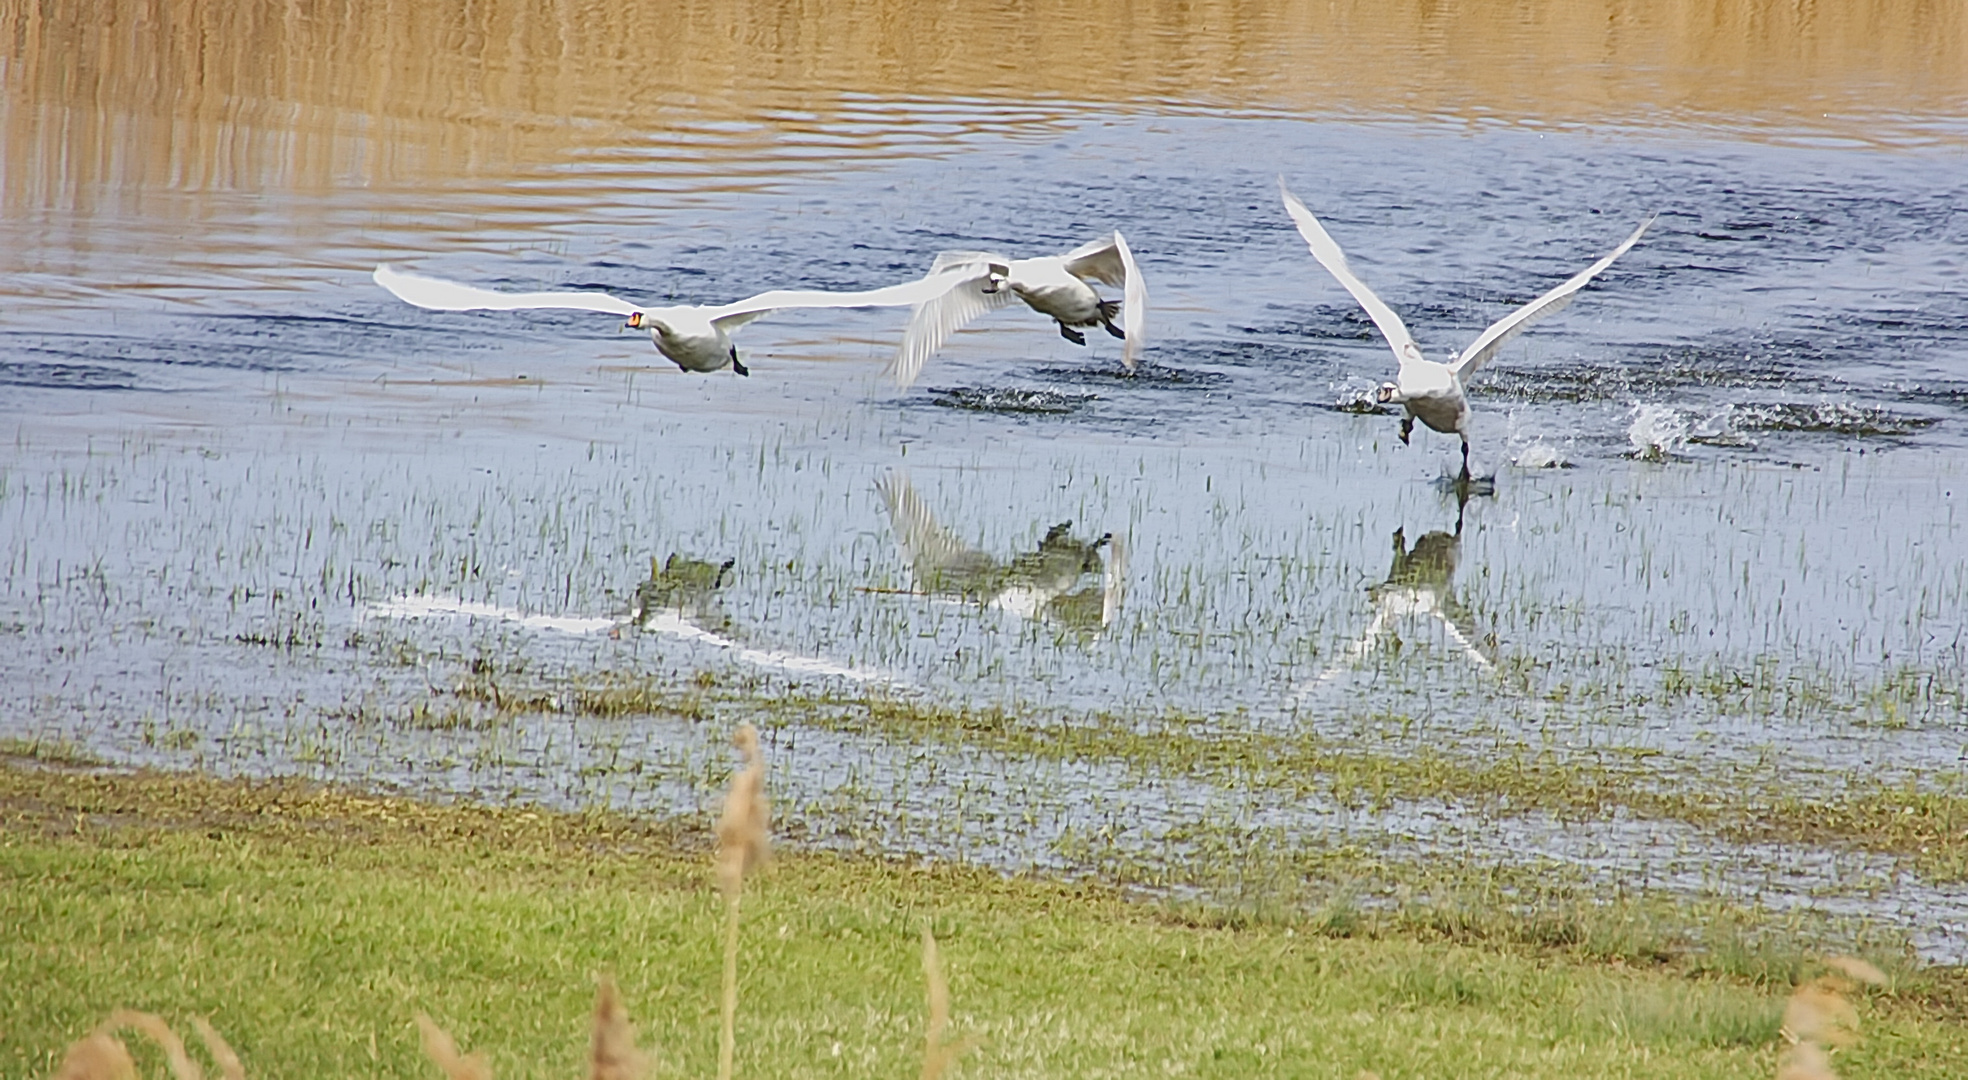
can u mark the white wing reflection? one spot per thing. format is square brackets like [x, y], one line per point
[1419, 584]
[1042, 584]
[679, 600]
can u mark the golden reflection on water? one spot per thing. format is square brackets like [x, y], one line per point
[192, 93]
[131, 109]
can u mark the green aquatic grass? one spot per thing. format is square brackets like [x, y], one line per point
[311, 924]
[1923, 819]
[49, 751]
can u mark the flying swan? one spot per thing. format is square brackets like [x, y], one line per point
[1428, 391]
[1052, 285]
[693, 338]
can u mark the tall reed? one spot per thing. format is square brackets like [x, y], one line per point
[743, 843]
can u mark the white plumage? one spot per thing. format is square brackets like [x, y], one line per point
[695, 338]
[1426, 390]
[1053, 285]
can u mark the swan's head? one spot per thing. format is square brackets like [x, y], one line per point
[639, 321]
[1388, 392]
[996, 276]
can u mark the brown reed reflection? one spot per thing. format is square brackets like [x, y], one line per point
[198, 94]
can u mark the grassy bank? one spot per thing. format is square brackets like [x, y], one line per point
[311, 925]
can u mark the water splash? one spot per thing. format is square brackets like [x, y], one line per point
[986, 399]
[1657, 432]
[1359, 400]
[1540, 455]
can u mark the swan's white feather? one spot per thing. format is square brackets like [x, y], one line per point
[936, 319]
[1134, 305]
[440, 295]
[1100, 260]
[738, 313]
[1489, 341]
[1327, 251]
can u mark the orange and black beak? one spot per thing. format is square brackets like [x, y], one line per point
[635, 321]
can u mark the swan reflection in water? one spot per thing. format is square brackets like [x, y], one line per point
[1041, 584]
[680, 599]
[1420, 583]
[684, 590]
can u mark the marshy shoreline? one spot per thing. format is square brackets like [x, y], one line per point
[309, 921]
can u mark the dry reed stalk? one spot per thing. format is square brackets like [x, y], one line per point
[1805, 1061]
[613, 1055]
[100, 1055]
[442, 1049]
[1857, 970]
[1819, 1018]
[151, 1024]
[229, 1064]
[743, 843]
[1817, 1012]
[937, 1054]
[97, 1056]
[743, 827]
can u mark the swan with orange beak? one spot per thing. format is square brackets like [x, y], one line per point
[694, 338]
[1428, 390]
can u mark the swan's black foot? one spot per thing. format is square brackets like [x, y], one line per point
[1071, 334]
[738, 365]
[1407, 429]
[1109, 309]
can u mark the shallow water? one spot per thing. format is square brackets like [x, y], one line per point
[259, 516]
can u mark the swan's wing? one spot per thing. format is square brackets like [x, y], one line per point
[1334, 260]
[950, 260]
[1113, 580]
[1361, 648]
[1134, 305]
[1489, 341]
[934, 320]
[441, 295]
[729, 317]
[1460, 626]
[935, 553]
[1456, 624]
[1111, 262]
[1100, 260]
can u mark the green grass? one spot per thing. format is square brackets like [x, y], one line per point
[311, 925]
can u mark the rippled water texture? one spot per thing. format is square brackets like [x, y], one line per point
[256, 515]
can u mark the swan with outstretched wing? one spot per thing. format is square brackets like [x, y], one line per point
[1426, 390]
[1056, 286]
[695, 338]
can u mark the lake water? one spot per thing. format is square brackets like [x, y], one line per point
[258, 516]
